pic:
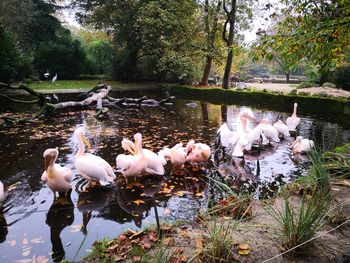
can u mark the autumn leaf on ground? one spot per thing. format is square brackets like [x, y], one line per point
[243, 249]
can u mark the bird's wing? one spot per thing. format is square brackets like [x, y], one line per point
[102, 163]
[91, 169]
[68, 175]
[124, 161]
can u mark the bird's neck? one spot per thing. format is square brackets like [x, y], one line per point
[51, 170]
[295, 111]
[81, 150]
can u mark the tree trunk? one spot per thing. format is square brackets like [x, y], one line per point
[206, 71]
[287, 77]
[231, 19]
[210, 40]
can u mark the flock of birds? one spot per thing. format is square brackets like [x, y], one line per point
[140, 161]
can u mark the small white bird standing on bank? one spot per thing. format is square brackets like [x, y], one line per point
[54, 78]
[301, 145]
[293, 121]
[57, 178]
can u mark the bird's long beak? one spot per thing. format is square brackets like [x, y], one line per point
[47, 161]
[130, 149]
[251, 118]
[85, 141]
[136, 152]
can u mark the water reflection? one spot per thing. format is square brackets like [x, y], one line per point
[94, 198]
[181, 193]
[59, 216]
[3, 226]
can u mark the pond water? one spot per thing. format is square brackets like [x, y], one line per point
[32, 225]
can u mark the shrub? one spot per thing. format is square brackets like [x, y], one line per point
[306, 84]
[341, 77]
[303, 93]
[293, 92]
[329, 85]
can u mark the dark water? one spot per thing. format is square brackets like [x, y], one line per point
[31, 225]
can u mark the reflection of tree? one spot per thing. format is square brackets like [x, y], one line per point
[93, 199]
[224, 113]
[204, 107]
[60, 215]
[3, 226]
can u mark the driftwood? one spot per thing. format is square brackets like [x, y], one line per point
[97, 98]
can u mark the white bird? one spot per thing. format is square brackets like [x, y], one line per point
[54, 78]
[197, 152]
[155, 162]
[281, 128]
[133, 165]
[57, 178]
[301, 145]
[227, 137]
[268, 130]
[293, 121]
[90, 166]
[2, 195]
[177, 154]
[47, 74]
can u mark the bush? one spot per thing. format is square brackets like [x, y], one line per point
[63, 56]
[341, 77]
[303, 93]
[307, 84]
[10, 56]
[329, 85]
[293, 92]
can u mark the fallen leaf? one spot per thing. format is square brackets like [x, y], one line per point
[243, 246]
[178, 250]
[25, 241]
[199, 242]
[243, 252]
[137, 258]
[167, 240]
[138, 202]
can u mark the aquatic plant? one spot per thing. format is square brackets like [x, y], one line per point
[298, 225]
[218, 245]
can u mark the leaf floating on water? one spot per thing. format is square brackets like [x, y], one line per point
[75, 228]
[42, 259]
[138, 202]
[13, 186]
[25, 260]
[166, 211]
[37, 240]
[200, 194]
[12, 243]
[25, 241]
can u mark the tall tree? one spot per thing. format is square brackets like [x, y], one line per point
[211, 21]
[313, 31]
[230, 22]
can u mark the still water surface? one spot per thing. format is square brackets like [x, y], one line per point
[31, 225]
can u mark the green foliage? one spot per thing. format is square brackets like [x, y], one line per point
[218, 246]
[306, 84]
[98, 252]
[301, 224]
[329, 85]
[63, 56]
[99, 57]
[10, 55]
[313, 32]
[341, 77]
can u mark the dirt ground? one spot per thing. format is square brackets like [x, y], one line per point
[286, 88]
